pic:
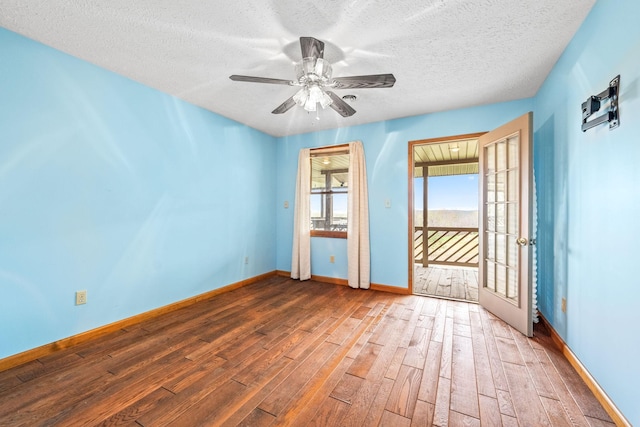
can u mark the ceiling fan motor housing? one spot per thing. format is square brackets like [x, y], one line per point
[313, 70]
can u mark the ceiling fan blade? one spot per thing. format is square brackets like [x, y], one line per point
[340, 106]
[285, 106]
[311, 48]
[365, 82]
[237, 78]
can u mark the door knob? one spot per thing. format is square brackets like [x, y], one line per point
[522, 241]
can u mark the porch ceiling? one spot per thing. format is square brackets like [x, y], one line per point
[458, 157]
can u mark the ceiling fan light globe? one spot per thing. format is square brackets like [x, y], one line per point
[326, 100]
[301, 96]
[315, 93]
[310, 105]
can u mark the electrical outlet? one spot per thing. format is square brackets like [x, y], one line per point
[81, 297]
[387, 203]
[332, 259]
[246, 260]
[563, 306]
[286, 204]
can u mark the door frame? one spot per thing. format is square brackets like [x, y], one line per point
[411, 145]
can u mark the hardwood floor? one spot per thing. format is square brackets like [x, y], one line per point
[449, 282]
[281, 352]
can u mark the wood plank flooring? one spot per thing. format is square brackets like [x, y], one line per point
[459, 283]
[281, 352]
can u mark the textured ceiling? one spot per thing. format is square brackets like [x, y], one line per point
[445, 54]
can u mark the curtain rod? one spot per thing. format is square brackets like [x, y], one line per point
[334, 149]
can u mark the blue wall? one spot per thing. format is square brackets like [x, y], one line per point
[113, 187]
[143, 200]
[386, 152]
[589, 202]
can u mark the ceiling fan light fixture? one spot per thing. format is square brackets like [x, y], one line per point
[310, 96]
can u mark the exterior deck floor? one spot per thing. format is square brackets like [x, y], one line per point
[460, 283]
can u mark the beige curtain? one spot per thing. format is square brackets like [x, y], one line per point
[358, 256]
[301, 255]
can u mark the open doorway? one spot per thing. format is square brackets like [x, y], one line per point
[444, 217]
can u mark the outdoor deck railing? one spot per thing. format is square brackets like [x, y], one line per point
[446, 246]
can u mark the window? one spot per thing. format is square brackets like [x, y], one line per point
[329, 186]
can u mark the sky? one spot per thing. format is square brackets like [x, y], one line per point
[457, 192]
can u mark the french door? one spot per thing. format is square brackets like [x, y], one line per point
[505, 287]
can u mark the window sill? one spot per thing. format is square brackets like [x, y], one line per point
[332, 234]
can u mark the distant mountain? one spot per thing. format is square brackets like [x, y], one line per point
[448, 218]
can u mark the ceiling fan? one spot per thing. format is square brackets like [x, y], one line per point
[313, 75]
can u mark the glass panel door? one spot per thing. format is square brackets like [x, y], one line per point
[505, 182]
[501, 220]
